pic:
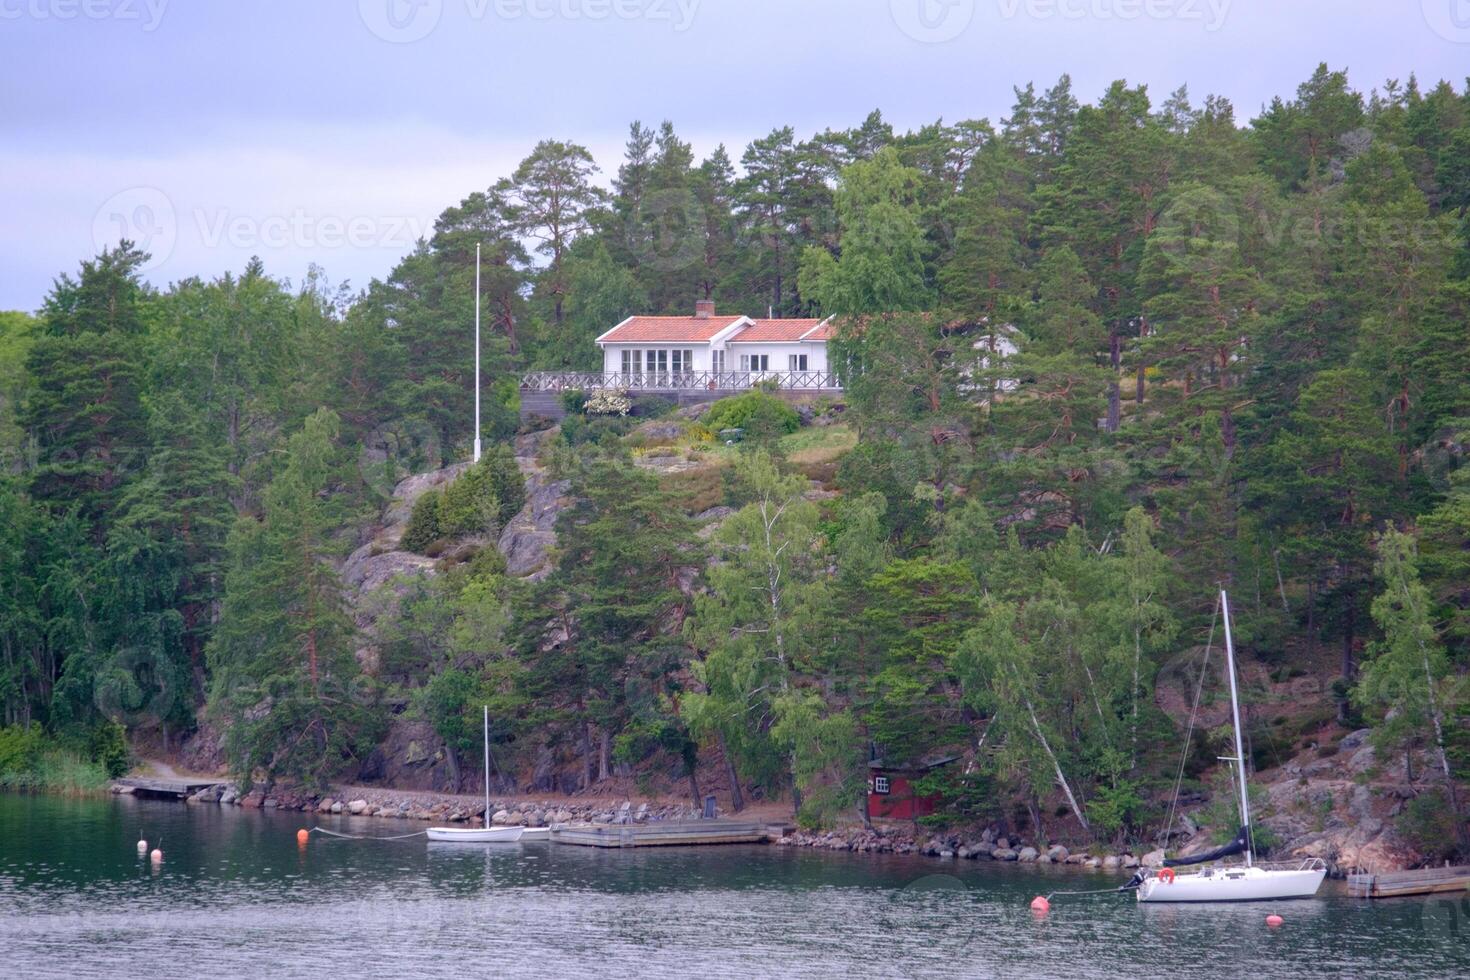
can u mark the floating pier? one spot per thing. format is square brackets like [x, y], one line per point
[672, 833]
[1424, 881]
[172, 787]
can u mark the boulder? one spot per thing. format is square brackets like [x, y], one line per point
[1154, 859]
[229, 796]
[1129, 861]
[1004, 854]
[1027, 855]
[325, 806]
[1058, 853]
[1111, 861]
[338, 807]
[357, 807]
[500, 818]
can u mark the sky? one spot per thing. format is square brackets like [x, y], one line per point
[333, 132]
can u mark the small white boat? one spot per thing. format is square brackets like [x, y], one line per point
[478, 835]
[475, 835]
[1231, 884]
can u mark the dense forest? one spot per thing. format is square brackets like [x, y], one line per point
[1242, 359]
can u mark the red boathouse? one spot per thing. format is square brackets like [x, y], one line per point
[891, 794]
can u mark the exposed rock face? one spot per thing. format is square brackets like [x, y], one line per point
[529, 537]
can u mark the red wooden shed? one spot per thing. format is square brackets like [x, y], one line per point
[891, 794]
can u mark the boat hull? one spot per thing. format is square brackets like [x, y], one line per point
[1233, 885]
[475, 835]
[536, 833]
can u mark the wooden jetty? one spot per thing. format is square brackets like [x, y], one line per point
[671, 833]
[175, 787]
[1424, 881]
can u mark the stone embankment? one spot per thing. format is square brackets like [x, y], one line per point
[989, 845]
[443, 808]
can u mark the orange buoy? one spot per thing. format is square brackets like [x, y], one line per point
[157, 856]
[302, 836]
[1040, 904]
[1274, 921]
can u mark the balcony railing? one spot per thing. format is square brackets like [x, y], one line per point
[681, 381]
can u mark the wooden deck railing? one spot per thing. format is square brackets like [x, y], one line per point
[680, 380]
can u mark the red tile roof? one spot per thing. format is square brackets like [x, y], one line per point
[667, 329]
[778, 332]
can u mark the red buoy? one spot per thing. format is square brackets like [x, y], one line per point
[302, 836]
[1040, 904]
[1274, 921]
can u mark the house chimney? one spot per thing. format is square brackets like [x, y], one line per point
[704, 309]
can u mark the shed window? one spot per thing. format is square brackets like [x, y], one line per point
[880, 784]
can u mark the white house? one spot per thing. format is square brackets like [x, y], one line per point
[716, 351]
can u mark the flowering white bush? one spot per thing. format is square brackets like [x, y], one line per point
[609, 401]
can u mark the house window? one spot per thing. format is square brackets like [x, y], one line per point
[880, 785]
[631, 359]
[717, 361]
[755, 362]
[683, 361]
[796, 362]
[657, 362]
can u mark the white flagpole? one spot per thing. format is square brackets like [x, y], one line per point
[477, 352]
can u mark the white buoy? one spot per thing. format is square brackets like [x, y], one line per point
[142, 847]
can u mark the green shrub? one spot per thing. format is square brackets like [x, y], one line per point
[574, 401]
[20, 752]
[507, 482]
[109, 746]
[468, 505]
[760, 415]
[1429, 826]
[423, 525]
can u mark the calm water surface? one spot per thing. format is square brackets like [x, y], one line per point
[236, 896]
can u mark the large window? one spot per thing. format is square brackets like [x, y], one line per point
[632, 360]
[796, 362]
[717, 361]
[683, 361]
[755, 362]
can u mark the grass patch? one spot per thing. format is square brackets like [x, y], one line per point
[697, 490]
[818, 444]
[31, 762]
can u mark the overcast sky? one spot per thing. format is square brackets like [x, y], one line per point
[335, 131]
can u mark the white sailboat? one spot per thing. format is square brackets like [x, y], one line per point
[478, 835]
[1250, 883]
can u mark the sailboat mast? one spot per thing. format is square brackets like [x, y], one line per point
[1245, 805]
[487, 765]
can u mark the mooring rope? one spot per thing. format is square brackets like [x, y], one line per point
[1096, 891]
[333, 833]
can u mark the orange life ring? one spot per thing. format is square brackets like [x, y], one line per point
[1166, 875]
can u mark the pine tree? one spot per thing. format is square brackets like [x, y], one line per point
[286, 688]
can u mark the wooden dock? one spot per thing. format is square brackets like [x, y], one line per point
[1424, 881]
[672, 833]
[179, 788]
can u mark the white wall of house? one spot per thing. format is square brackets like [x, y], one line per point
[656, 357]
[778, 357]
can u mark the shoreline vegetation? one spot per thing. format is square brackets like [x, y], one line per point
[32, 762]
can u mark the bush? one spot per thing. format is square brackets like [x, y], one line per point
[507, 482]
[574, 401]
[31, 761]
[109, 745]
[423, 525]
[760, 415]
[1428, 825]
[609, 401]
[468, 505]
